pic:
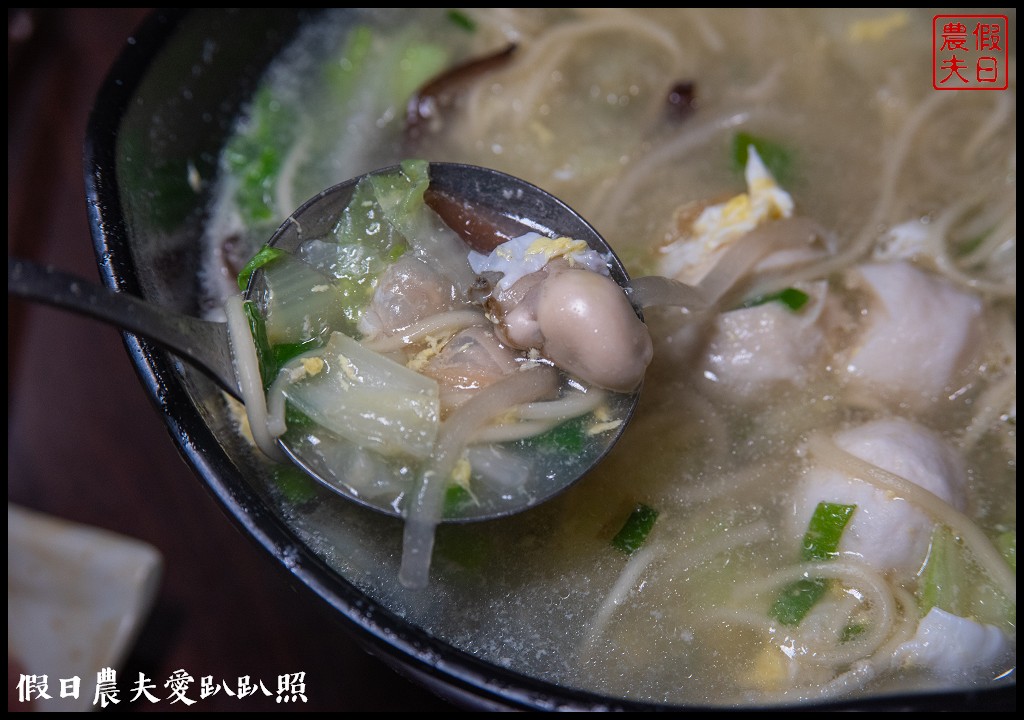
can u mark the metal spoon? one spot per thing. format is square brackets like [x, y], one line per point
[478, 203]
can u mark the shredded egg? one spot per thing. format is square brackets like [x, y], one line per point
[719, 225]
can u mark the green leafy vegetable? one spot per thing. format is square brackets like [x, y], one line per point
[368, 81]
[636, 529]
[284, 352]
[970, 245]
[776, 157]
[344, 75]
[381, 76]
[295, 419]
[255, 155]
[264, 352]
[417, 65]
[400, 196]
[821, 542]
[273, 357]
[792, 298]
[266, 254]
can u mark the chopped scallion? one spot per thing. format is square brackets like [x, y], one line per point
[777, 158]
[462, 20]
[970, 245]
[569, 437]
[636, 529]
[821, 542]
[792, 298]
[797, 599]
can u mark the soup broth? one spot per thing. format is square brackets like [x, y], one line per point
[830, 450]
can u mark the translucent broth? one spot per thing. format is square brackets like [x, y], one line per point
[531, 593]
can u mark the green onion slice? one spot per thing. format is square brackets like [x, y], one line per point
[821, 542]
[636, 529]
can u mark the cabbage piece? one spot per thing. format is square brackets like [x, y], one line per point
[370, 400]
[400, 196]
[301, 302]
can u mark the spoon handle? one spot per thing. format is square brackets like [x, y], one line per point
[201, 342]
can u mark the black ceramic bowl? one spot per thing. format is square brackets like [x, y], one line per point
[161, 118]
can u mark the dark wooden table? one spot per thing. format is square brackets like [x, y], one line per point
[84, 443]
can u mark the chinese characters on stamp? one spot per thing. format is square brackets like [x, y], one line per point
[970, 52]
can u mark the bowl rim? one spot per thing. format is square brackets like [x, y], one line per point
[448, 671]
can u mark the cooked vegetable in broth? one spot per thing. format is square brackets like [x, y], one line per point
[817, 496]
[422, 376]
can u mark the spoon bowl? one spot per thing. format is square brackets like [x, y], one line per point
[484, 206]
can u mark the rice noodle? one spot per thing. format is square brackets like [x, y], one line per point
[609, 201]
[572, 405]
[893, 158]
[728, 484]
[993, 403]
[247, 367]
[655, 290]
[863, 671]
[878, 598]
[442, 324]
[738, 259]
[276, 401]
[998, 403]
[426, 500]
[539, 59]
[706, 30]
[993, 121]
[512, 431]
[723, 542]
[534, 419]
[939, 231]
